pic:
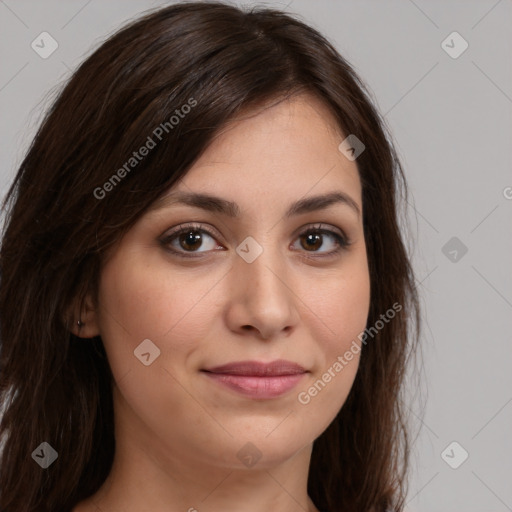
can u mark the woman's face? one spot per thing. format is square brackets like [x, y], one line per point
[259, 275]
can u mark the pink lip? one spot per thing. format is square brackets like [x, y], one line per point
[258, 380]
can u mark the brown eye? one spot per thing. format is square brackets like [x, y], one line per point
[190, 240]
[311, 241]
[324, 242]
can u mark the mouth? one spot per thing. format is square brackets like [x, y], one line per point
[258, 380]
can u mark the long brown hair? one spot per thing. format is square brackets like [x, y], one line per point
[61, 218]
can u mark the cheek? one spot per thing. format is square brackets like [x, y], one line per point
[147, 302]
[341, 305]
[339, 313]
[141, 302]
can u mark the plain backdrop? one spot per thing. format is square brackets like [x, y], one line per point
[450, 115]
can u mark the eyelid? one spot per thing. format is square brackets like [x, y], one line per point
[193, 226]
[322, 227]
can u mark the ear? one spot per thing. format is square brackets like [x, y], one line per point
[83, 318]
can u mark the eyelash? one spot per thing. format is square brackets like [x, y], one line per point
[341, 241]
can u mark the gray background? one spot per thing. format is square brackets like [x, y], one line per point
[451, 119]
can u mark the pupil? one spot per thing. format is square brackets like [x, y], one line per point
[191, 240]
[313, 241]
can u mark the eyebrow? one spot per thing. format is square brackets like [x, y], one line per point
[231, 209]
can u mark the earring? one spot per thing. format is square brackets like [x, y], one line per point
[79, 323]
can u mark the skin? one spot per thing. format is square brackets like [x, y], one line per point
[178, 432]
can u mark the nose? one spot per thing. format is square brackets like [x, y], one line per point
[262, 300]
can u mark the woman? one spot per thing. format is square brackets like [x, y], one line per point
[205, 297]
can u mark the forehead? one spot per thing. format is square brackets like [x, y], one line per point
[285, 148]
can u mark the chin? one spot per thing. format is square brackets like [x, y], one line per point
[261, 450]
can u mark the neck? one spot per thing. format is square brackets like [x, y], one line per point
[147, 476]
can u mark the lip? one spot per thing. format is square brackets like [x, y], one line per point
[258, 380]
